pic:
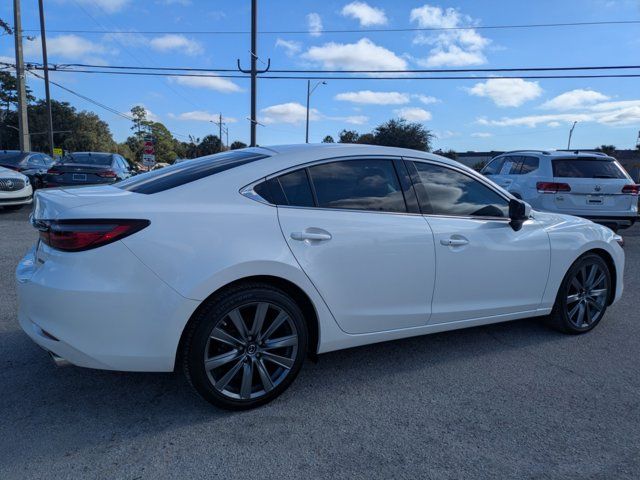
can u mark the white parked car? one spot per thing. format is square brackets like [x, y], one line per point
[235, 267]
[592, 185]
[15, 189]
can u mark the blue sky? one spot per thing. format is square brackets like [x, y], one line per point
[464, 114]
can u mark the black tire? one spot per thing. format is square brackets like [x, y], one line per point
[576, 309]
[256, 355]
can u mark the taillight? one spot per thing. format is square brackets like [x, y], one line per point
[552, 187]
[632, 189]
[107, 174]
[78, 235]
[52, 171]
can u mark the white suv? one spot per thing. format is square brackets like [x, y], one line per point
[586, 184]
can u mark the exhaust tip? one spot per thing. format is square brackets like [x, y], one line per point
[59, 361]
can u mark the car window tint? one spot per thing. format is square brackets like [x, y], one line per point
[494, 166]
[452, 193]
[101, 159]
[296, 188]
[588, 168]
[529, 164]
[509, 166]
[186, 172]
[358, 184]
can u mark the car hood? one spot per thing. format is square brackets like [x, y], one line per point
[559, 221]
[8, 173]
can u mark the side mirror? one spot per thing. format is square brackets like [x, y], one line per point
[519, 212]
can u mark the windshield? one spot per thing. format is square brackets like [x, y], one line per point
[588, 168]
[185, 172]
[102, 159]
[11, 158]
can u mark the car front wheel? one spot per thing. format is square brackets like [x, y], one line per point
[583, 296]
[245, 346]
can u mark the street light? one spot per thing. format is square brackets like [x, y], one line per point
[570, 134]
[309, 92]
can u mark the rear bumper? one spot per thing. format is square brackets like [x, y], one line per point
[101, 309]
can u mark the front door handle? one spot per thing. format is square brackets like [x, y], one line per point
[311, 236]
[454, 242]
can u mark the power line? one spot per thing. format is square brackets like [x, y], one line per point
[329, 77]
[420, 70]
[360, 30]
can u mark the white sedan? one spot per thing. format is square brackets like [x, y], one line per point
[15, 190]
[237, 266]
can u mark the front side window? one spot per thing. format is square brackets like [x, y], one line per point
[452, 193]
[494, 166]
[370, 184]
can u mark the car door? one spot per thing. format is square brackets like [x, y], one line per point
[369, 255]
[484, 268]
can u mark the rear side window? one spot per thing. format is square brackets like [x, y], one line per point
[11, 158]
[296, 188]
[528, 165]
[451, 193]
[358, 185]
[588, 168]
[186, 172]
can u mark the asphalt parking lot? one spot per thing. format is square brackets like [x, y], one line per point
[514, 400]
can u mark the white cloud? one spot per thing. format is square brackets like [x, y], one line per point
[291, 112]
[362, 55]
[365, 14]
[291, 47]
[482, 134]
[574, 99]
[426, 99]
[314, 22]
[174, 42]
[553, 124]
[450, 47]
[413, 114]
[507, 92]
[108, 6]
[70, 46]
[202, 116]
[352, 119]
[212, 83]
[373, 98]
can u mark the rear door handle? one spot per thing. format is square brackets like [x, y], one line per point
[454, 242]
[311, 236]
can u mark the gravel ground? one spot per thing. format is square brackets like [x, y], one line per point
[514, 400]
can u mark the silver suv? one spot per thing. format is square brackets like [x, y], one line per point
[592, 185]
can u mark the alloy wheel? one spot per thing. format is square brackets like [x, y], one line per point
[251, 350]
[587, 295]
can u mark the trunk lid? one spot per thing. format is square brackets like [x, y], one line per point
[79, 173]
[50, 204]
[596, 185]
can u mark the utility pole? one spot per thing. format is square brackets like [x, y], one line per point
[254, 59]
[309, 92]
[220, 130]
[45, 61]
[23, 120]
[570, 134]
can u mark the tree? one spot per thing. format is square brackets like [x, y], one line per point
[348, 136]
[237, 145]
[448, 154]
[209, 145]
[328, 139]
[400, 133]
[367, 139]
[608, 149]
[479, 165]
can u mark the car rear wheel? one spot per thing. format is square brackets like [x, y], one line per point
[245, 347]
[583, 296]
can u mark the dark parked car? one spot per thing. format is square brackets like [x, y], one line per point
[88, 168]
[32, 164]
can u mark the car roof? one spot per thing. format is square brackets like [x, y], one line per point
[559, 153]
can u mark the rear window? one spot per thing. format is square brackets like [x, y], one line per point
[11, 158]
[588, 168]
[186, 172]
[88, 159]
